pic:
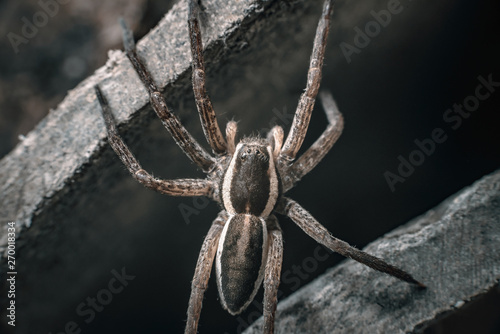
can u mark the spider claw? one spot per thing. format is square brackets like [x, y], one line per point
[409, 279]
[100, 96]
[128, 38]
[421, 285]
[193, 8]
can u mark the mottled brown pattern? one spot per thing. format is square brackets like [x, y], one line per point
[179, 187]
[272, 273]
[300, 124]
[320, 147]
[203, 103]
[184, 140]
[202, 272]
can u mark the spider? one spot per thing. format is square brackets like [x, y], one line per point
[247, 179]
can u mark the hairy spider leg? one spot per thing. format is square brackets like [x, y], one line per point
[272, 274]
[318, 232]
[203, 103]
[305, 106]
[314, 154]
[178, 187]
[202, 272]
[170, 121]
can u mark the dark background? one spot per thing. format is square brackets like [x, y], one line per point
[392, 93]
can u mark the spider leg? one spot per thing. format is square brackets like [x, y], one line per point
[272, 273]
[319, 233]
[179, 187]
[202, 272]
[307, 161]
[302, 116]
[184, 140]
[207, 115]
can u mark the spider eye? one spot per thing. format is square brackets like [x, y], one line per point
[243, 156]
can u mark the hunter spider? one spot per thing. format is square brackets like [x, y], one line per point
[247, 180]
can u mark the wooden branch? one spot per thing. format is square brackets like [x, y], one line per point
[454, 249]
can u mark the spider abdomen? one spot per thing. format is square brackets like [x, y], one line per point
[240, 262]
[251, 182]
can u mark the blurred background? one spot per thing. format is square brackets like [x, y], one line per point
[394, 87]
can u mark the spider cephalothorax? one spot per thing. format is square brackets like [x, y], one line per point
[248, 180]
[251, 183]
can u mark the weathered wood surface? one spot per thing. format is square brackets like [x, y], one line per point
[454, 249]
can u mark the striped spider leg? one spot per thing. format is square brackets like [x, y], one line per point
[247, 179]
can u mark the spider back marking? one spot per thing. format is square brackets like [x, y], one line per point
[250, 189]
[251, 184]
[240, 262]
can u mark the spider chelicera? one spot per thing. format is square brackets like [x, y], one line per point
[247, 179]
